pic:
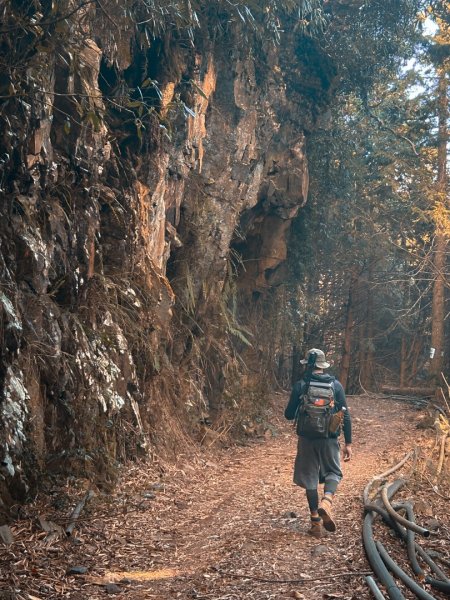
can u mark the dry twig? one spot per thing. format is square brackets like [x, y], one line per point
[77, 510]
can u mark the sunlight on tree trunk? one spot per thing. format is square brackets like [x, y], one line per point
[349, 326]
[442, 233]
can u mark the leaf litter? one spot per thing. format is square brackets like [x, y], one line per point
[221, 524]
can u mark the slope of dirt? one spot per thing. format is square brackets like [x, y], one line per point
[221, 528]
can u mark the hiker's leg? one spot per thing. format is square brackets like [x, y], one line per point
[313, 501]
[331, 475]
[316, 521]
[306, 475]
[325, 511]
[330, 486]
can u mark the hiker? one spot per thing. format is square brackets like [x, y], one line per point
[318, 404]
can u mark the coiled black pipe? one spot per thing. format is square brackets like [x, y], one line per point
[442, 586]
[383, 514]
[395, 487]
[373, 556]
[410, 540]
[376, 562]
[439, 556]
[374, 588]
[403, 535]
[402, 520]
[393, 566]
[407, 534]
[380, 477]
[430, 562]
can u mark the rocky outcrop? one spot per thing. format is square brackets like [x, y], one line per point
[134, 171]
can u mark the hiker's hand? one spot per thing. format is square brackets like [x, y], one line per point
[347, 452]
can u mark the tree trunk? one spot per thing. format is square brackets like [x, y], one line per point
[412, 360]
[367, 333]
[280, 369]
[441, 235]
[408, 391]
[344, 367]
[369, 373]
[403, 359]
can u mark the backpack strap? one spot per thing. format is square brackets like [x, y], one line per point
[303, 390]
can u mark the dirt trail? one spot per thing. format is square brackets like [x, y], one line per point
[216, 524]
[216, 528]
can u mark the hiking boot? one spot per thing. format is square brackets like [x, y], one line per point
[316, 528]
[326, 513]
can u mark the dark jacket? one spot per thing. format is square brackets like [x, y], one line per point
[339, 398]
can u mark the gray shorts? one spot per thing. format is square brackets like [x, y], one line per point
[317, 460]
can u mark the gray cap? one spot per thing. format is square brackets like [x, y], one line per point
[321, 362]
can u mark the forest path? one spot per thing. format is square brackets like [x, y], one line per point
[224, 524]
[210, 525]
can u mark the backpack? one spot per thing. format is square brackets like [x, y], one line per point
[315, 410]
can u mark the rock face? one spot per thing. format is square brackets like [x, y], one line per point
[135, 167]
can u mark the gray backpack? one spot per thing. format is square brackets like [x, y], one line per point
[315, 410]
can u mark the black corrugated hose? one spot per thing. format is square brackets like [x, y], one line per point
[400, 573]
[373, 556]
[405, 522]
[410, 539]
[403, 535]
[442, 586]
[376, 553]
[374, 588]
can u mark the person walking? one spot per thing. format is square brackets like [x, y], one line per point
[318, 404]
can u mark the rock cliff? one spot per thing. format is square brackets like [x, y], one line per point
[143, 165]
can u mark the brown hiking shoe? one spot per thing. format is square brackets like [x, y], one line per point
[316, 528]
[326, 513]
